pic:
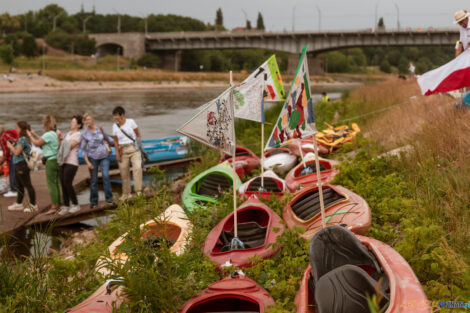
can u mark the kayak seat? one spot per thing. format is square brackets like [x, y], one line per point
[335, 246]
[312, 169]
[345, 290]
[270, 185]
[250, 233]
[308, 205]
[214, 184]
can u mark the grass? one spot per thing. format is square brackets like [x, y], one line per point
[419, 201]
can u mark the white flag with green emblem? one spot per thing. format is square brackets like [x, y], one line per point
[248, 99]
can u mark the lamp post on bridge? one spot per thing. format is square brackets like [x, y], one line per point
[246, 20]
[293, 18]
[319, 18]
[398, 16]
[118, 21]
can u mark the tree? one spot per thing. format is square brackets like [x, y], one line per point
[6, 54]
[29, 47]
[381, 24]
[248, 25]
[260, 22]
[385, 66]
[149, 60]
[8, 23]
[219, 19]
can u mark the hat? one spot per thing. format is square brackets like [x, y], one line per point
[459, 16]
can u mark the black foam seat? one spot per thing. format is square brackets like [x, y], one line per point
[313, 169]
[309, 204]
[345, 289]
[335, 246]
[270, 185]
[213, 184]
[250, 233]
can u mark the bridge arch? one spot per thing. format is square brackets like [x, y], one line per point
[109, 48]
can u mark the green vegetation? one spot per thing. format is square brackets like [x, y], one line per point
[6, 54]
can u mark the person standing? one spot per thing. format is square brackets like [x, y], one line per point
[412, 70]
[69, 166]
[21, 150]
[49, 142]
[324, 98]
[12, 137]
[127, 142]
[461, 18]
[95, 151]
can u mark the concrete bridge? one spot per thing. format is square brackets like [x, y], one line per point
[135, 45]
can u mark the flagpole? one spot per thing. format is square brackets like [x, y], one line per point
[234, 173]
[320, 187]
[262, 133]
[301, 154]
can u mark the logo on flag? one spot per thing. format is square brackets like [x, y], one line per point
[248, 99]
[296, 120]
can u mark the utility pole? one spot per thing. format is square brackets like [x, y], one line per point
[54, 21]
[118, 21]
[117, 60]
[43, 57]
[376, 9]
[293, 18]
[246, 19]
[84, 20]
[319, 18]
[398, 16]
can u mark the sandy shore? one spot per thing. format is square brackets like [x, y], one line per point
[21, 84]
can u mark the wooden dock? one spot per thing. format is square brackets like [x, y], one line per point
[11, 220]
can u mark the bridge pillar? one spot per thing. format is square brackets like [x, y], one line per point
[315, 65]
[171, 60]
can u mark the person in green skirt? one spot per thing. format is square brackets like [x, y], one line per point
[49, 142]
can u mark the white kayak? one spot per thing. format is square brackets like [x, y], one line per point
[173, 224]
[279, 160]
[254, 182]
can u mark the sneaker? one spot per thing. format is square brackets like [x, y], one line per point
[64, 210]
[31, 208]
[74, 208]
[16, 207]
[10, 194]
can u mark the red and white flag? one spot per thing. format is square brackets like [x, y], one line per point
[451, 76]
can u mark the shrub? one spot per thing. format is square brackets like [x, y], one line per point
[149, 60]
[7, 54]
[29, 47]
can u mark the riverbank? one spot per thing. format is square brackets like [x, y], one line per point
[81, 80]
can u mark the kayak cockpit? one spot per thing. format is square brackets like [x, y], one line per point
[308, 206]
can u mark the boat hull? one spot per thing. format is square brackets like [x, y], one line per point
[245, 162]
[280, 160]
[404, 285]
[274, 186]
[232, 294]
[307, 146]
[252, 210]
[105, 299]
[295, 181]
[192, 198]
[352, 211]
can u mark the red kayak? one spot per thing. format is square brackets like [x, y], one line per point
[256, 223]
[273, 185]
[245, 162]
[372, 259]
[301, 176]
[105, 299]
[232, 294]
[307, 146]
[342, 207]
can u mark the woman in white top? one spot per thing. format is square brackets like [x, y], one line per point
[127, 142]
[68, 170]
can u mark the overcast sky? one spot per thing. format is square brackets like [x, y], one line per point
[278, 14]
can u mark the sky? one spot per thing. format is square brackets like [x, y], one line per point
[278, 15]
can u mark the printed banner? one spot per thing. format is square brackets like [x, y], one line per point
[296, 120]
[213, 124]
[248, 99]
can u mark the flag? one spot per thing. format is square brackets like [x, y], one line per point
[248, 99]
[296, 120]
[213, 124]
[451, 76]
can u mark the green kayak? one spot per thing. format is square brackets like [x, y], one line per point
[207, 186]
